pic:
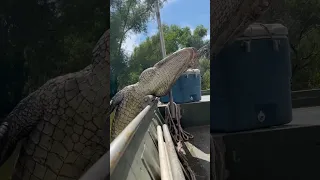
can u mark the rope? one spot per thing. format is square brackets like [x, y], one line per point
[190, 175]
[179, 135]
[175, 128]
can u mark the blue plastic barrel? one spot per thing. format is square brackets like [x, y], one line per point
[186, 89]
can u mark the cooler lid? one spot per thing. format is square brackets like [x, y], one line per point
[192, 71]
[258, 29]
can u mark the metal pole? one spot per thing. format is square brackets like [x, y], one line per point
[177, 172]
[164, 164]
[163, 50]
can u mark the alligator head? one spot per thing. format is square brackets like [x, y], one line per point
[158, 79]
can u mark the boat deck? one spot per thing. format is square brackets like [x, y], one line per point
[198, 151]
[306, 116]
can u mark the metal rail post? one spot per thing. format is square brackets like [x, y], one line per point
[163, 50]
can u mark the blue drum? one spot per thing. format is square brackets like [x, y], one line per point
[187, 88]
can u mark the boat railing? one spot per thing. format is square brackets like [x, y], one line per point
[205, 92]
[120, 143]
[104, 167]
[305, 98]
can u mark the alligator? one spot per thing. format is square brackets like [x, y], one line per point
[153, 82]
[61, 123]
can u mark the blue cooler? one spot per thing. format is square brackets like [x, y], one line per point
[186, 89]
[250, 81]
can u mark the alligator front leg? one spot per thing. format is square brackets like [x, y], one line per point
[18, 125]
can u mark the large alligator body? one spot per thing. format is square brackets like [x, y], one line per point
[153, 82]
[60, 123]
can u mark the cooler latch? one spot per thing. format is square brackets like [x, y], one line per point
[247, 45]
[276, 44]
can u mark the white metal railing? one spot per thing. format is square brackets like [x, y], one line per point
[120, 143]
[104, 167]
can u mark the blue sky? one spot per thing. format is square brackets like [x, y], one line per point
[180, 12]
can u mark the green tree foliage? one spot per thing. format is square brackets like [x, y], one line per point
[205, 73]
[302, 19]
[149, 51]
[127, 17]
